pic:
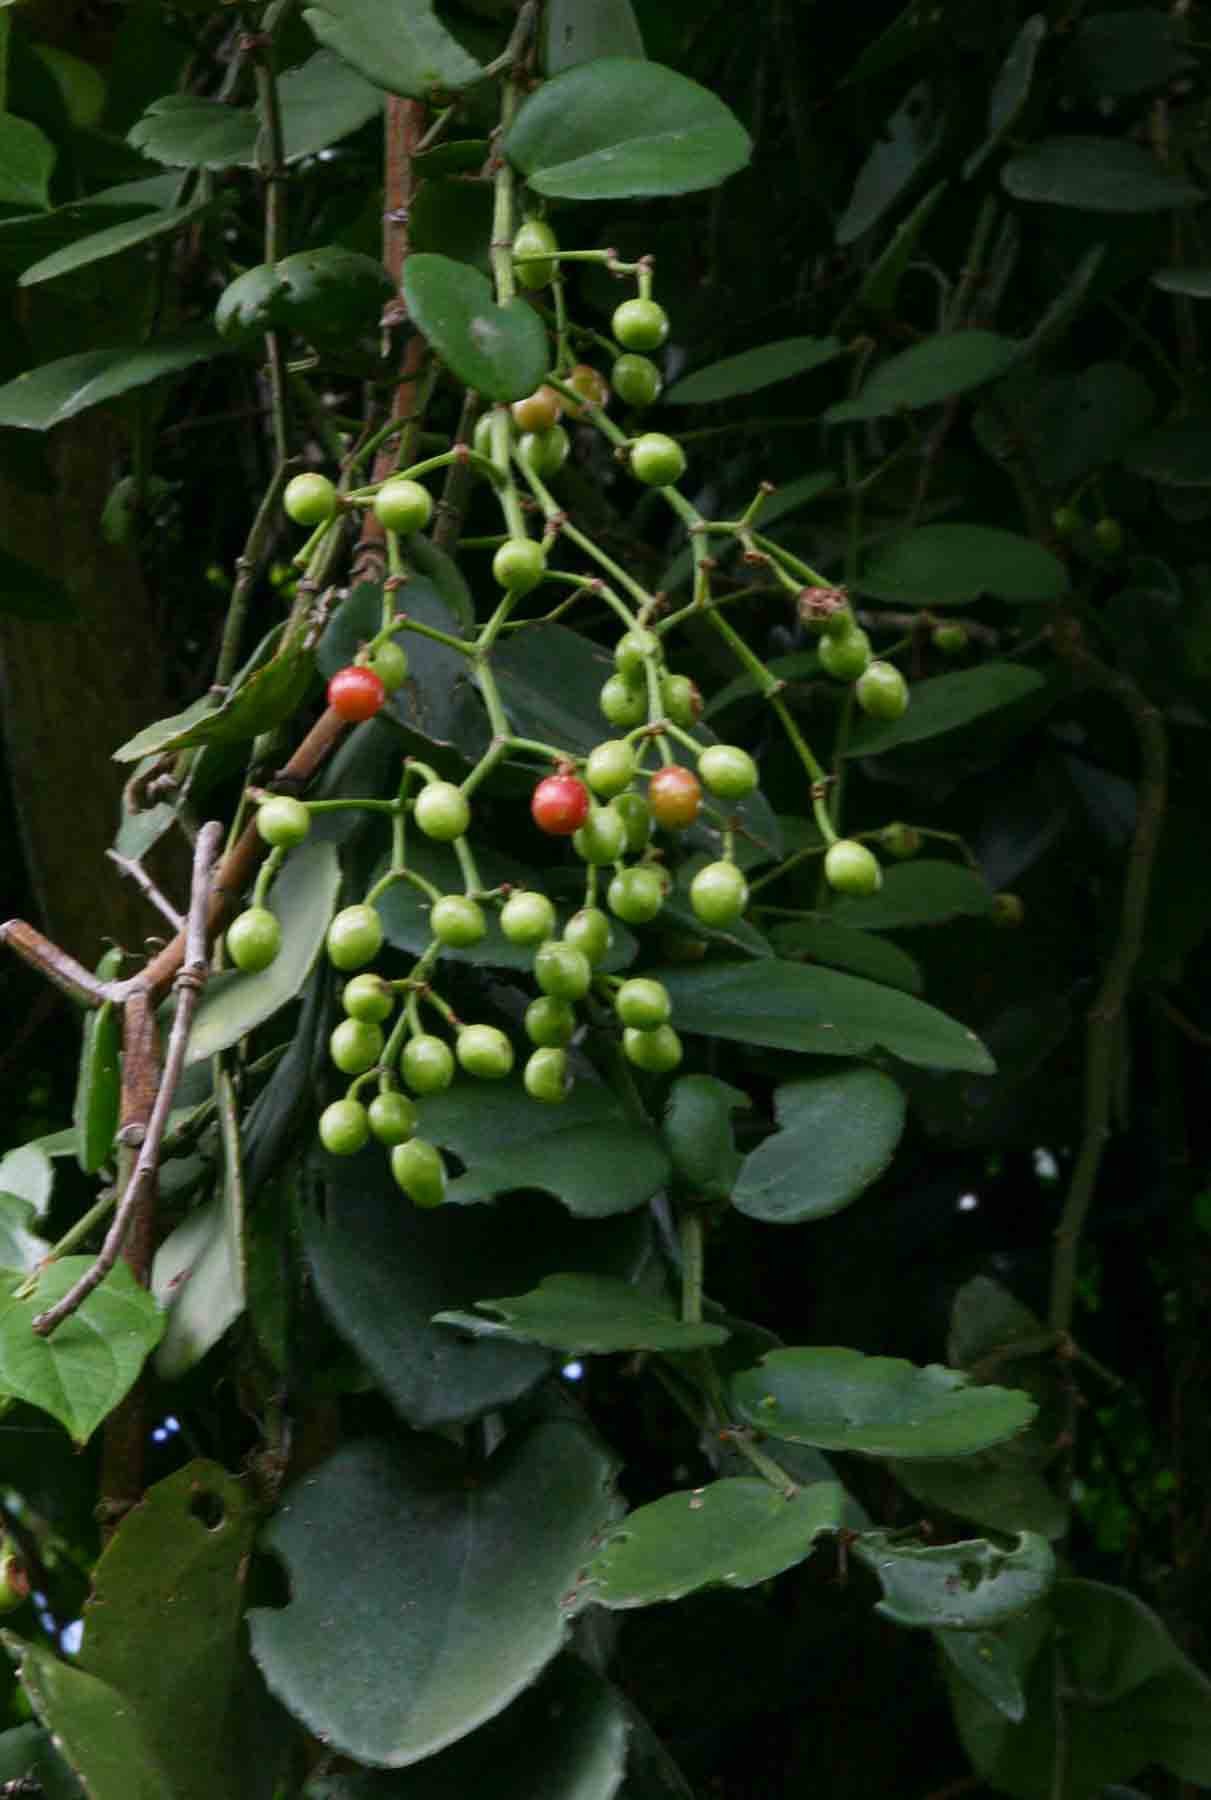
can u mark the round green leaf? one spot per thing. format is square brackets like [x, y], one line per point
[753, 369]
[970, 1586]
[189, 132]
[946, 703]
[949, 565]
[589, 1314]
[449, 1575]
[501, 351]
[950, 363]
[581, 31]
[841, 1400]
[619, 128]
[331, 293]
[734, 1533]
[836, 1134]
[245, 308]
[405, 50]
[1097, 174]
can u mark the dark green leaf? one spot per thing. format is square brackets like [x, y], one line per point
[111, 242]
[454, 219]
[27, 159]
[620, 128]
[46, 396]
[1122, 53]
[28, 1753]
[996, 1663]
[901, 150]
[753, 369]
[949, 363]
[587, 1152]
[256, 704]
[406, 53]
[1195, 282]
[96, 1734]
[1177, 455]
[453, 1584]
[322, 101]
[589, 1314]
[500, 351]
[382, 1269]
[1011, 88]
[947, 702]
[199, 1275]
[698, 1133]
[581, 31]
[836, 1134]
[735, 1533]
[1097, 174]
[950, 565]
[842, 1400]
[881, 283]
[823, 940]
[186, 131]
[789, 1007]
[29, 593]
[917, 893]
[459, 157]
[991, 1490]
[970, 1586]
[1070, 424]
[98, 1088]
[83, 1369]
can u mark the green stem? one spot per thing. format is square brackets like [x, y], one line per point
[691, 1265]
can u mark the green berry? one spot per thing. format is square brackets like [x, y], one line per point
[657, 460]
[418, 1169]
[562, 971]
[622, 705]
[310, 499]
[535, 239]
[368, 997]
[441, 811]
[882, 691]
[657, 1051]
[549, 1022]
[850, 868]
[729, 772]
[283, 822]
[718, 894]
[1108, 534]
[845, 657]
[643, 1003]
[636, 895]
[636, 380]
[355, 1046]
[610, 768]
[344, 1127]
[254, 939]
[457, 920]
[392, 1117]
[484, 1051]
[1007, 910]
[545, 452]
[640, 325]
[519, 565]
[632, 653]
[1066, 520]
[637, 817]
[403, 506]
[589, 931]
[546, 1075]
[681, 699]
[427, 1064]
[900, 841]
[355, 937]
[390, 664]
[951, 640]
[527, 918]
[603, 836]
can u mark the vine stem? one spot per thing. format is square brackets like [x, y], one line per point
[691, 1266]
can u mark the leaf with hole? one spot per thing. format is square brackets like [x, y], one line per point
[969, 1586]
[500, 351]
[951, 565]
[950, 363]
[450, 1574]
[589, 1314]
[841, 1400]
[836, 1134]
[405, 51]
[621, 128]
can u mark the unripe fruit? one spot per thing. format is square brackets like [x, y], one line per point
[1007, 910]
[590, 384]
[355, 937]
[535, 239]
[681, 699]
[368, 997]
[621, 704]
[392, 1117]
[539, 411]
[900, 841]
[441, 811]
[457, 920]
[402, 505]
[674, 797]
[427, 1064]
[546, 1076]
[545, 452]
[254, 939]
[484, 1051]
[519, 565]
[657, 1051]
[527, 918]
[657, 460]
[845, 657]
[636, 895]
[632, 651]
[390, 664]
[14, 1580]
[481, 437]
[602, 838]
[1066, 520]
[718, 894]
[418, 1169]
[549, 1022]
[559, 805]
[643, 1003]
[882, 691]
[562, 971]
[637, 818]
[589, 931]
[610, 768]
[356, 693]
[344, 1127]
[355, 1046]
[729, 772]
[640, 325]
[283, 822]
[1109, 536]
[636, 380]
[310, 499]
[850, 868]
[951, 640]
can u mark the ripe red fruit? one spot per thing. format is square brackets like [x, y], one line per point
[356, 693]
[560, 805]
[674, 796]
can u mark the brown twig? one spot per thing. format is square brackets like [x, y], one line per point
[139, 875]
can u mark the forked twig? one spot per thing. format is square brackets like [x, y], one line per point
[188, 985]
[138, 874]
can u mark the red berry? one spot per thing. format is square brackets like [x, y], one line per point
[356, 693]
[674, 796]
[560, 805]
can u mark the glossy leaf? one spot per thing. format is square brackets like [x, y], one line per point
[382, 1270]
[900, 152]
[946, 703]
[768, 364]
[29, 593]
[734, 1533]
[27, 161]
[83, 1369]
[588, 1152]
[950, 565]
[842, 1400]
[620, 128]
[405, 52]
[501, 351]
[950, 363]
[917, 893]
[98, 1088]
[44, 397]
[836, 1134]
[591, 1314]
[581, 31]
[1097, 174]
[454, 1585]
[841, 947]
[969, 1586]
[820, 1011]
[303, 898]
[698, 1132]
[97, 1735]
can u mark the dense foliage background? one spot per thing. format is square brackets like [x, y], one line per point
[948, 297]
